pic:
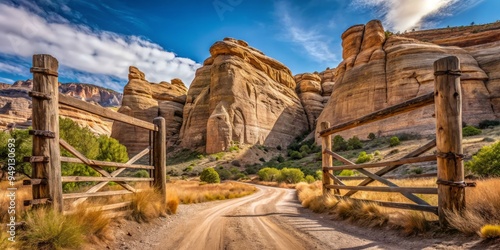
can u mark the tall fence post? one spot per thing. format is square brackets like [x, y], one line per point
[450, 168]
[45, 107]
[326, 159]
[160, 158]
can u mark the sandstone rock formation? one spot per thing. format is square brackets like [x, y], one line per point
[310, 94]
[241, 95]
[378, 72]
[145, 101]
[15, 105]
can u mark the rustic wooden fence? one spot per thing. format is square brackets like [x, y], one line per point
[46, 161]
[447, 98]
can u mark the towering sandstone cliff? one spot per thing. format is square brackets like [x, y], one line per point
[241, 95]
[378, 72]
[146, 101]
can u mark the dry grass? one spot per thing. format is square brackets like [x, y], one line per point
[483, 204]
[274, 184]
[94, 223]
[189, 192]
[46, 229]
[146, 205]
[22, 193]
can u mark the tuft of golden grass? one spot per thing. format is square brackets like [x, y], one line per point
[46, 229]
[412, 222]
[146, 205]
[172, 202]
[483, 204]
[94, 223]
[189, 192]
[490, 231]
[22, 193]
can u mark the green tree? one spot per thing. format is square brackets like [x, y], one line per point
[394, 141]
[364, 157]
[209, 175]
[22, 144]
[486, 162]
[111, 150]
[339, 144]
[354, 143]
[309, 179]
[268, 174]
[470, 131]
[372, 136]
[291, 175]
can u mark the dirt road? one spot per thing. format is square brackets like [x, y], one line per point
[272, 218]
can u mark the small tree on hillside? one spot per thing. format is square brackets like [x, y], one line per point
[209, 175]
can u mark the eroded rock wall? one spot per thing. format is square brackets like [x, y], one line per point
[378, 72]
[241, 95]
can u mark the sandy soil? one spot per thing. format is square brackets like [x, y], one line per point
[272, 218]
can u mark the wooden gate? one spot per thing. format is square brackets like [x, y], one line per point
[46, 161]
[447, 98]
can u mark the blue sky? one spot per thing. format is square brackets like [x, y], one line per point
[96, 41]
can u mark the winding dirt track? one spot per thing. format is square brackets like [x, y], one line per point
[246, 223]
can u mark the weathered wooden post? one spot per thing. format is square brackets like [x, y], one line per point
[326, 144]
[448, 105]
[46, 173]
[160, 158]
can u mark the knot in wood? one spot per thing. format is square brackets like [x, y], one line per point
[448, 72]
[44, 71]
[450, 155]
[455, 183]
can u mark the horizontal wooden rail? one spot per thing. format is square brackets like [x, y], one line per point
[391, 177]
[406, 106]
[104, 112]
[387, 163]
[97, 194]
[423, 208]
[417, 190]
[102, 208]
[93, 178]
[105, 163]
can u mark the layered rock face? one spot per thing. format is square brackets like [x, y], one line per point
[310, 93]
[241, 95]
[145, 101]
[15, 105]
[377, 72]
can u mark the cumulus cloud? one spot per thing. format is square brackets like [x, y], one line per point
[313, 42]
[91, 53]
[401, 15]
[13, 69]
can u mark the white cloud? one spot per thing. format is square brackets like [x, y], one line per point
[401, 15]
[6, 80]
[103, 53]
[13, 69]
[310, 39]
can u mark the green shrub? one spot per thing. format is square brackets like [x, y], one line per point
[339, 144]
[372, 136]
[278, 147]
[224, 174]
[280, 159]
[262, 159]
[470, 131]
[234, 148]
[291, 175]
[309, 179]
[141, 174]
[486, 162]
[346, 172]
[394, 141]
[217, 156]
[209, 175]
[488, 124]
[304, 149]
[354, 143]
[188, 169]
[296, 155]
[376, 153]
[364, 157]
[319, 175]
[268, 174]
